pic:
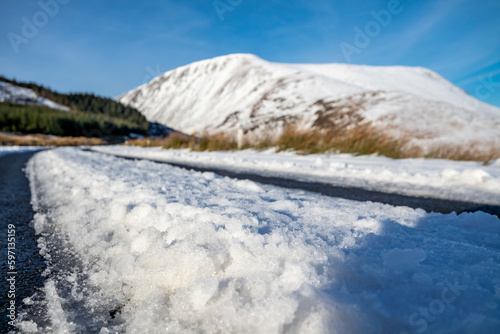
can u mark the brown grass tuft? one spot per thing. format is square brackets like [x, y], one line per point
[470, 152]
[216, 142]
[361, 140]
[175, 140]
[178, 141]
[145, 142]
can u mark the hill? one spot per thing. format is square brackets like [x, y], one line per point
[261, 98]
[32, 108]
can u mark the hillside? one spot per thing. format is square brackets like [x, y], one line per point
[32, 108]
[21, 95]
[80, 102]
[242, 91]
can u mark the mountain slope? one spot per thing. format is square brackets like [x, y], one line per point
[242, 91]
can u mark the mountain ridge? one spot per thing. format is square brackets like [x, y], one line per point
[244, 92]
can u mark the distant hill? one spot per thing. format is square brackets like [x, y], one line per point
[12, 93]
[33, 108]
[242, 92]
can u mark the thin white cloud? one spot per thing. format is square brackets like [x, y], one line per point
[476, 77]
[433, 16]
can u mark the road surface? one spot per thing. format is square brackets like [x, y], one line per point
[16, 210]
[429, 204]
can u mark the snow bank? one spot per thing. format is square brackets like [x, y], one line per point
[170, 250]
[437, 178]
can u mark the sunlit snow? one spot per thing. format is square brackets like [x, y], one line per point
[436, 178]
[170, 250]
[242, 91]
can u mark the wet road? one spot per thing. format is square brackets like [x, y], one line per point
[16, 211]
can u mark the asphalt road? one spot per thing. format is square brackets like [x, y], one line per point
[16, 210]
[428, 204]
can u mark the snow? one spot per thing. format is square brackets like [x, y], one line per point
[437, 178]
[182, 251]
[242, 91]
[21, 95]
[4, 150]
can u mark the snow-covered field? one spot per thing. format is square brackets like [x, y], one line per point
[468, 181]
[170, 250]
[4, 150]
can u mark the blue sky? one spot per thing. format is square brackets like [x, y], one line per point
[110, 46]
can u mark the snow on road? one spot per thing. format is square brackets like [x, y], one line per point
[436, 178]
[4, 150]
[171, 250]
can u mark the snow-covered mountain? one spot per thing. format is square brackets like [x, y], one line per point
[242, 91]
[21, 95]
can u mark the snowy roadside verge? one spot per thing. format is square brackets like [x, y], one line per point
[4, 150]
[194, 252]
[436, 178]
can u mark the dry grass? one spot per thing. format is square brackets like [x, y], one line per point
[176, 141]
[216, 142]
[366, 139]
[145, 142]
[471, 152]
[45, 140]
[179, 141]
[360, 140]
